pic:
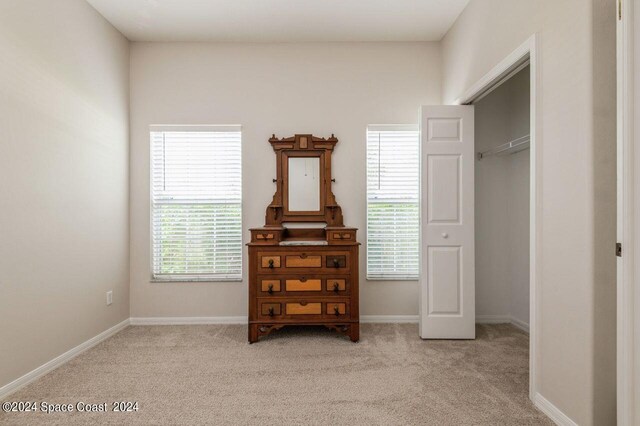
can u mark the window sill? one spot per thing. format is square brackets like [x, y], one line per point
[195, 280]
[392, 279]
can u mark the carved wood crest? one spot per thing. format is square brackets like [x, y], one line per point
[303, 146]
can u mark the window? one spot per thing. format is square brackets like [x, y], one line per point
[393, 204]
[196, 209]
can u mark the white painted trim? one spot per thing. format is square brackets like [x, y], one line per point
[381, 319]
[495, 76]
[493, 319]
[502, 319]
[188, 320]
[552, 411]
[389, 319]
[628, 189]
[33, 375]
[510, 65]
[520, 324]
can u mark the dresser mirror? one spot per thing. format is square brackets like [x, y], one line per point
[303, 184]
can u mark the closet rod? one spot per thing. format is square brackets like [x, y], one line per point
[510, 147]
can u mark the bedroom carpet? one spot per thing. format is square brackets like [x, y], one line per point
[209, 374]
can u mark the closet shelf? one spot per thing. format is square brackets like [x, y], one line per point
[510, 147]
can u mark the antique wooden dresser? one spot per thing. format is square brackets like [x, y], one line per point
[303, 264]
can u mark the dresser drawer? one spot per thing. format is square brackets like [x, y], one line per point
[304, 262]
[303, 284]
[342, 236]
[270, 309]
[270, 286]
[337, 261]
[336, 285]
[266, 236]
[336, 309]
[298, 285]
[303, 308]
[270, 261]
[312, 309]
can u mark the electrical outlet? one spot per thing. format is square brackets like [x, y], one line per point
[109, 297]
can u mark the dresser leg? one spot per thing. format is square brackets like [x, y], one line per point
[354, 332]
[253, 333]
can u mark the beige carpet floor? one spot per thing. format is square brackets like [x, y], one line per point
[211, 375]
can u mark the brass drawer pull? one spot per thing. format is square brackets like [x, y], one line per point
[270, 263]
[303, 256]
[270, 289]
[336, 287]
[336, 263]
[271, 311]
[336, 310]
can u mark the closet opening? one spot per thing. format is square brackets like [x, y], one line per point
[502, 204]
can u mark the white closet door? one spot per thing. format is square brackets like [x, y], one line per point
[447, 276]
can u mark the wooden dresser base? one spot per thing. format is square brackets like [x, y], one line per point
[351, 330]
[303, 285]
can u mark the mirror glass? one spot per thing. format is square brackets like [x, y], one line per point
[304, 184]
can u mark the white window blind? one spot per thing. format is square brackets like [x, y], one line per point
[393, 203]
[196, 193]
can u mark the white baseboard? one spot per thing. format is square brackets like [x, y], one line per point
[187, 320]
[493, 319]
[520, 324]
[552, 411]
[389, 319]
[20, 382]
[502, 319]
[381, 319]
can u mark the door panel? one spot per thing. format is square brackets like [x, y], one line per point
[447, 278]
[444, 265]
[443, 203]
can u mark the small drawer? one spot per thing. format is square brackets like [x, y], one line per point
[270, 309]
[346, 236]
[336, 261]
[270, 286]
[341, 235]
[303, 284]
[303, 308]
[336, 308]
[270, 262]
[303, 261]
[265, 236]
[336, 285]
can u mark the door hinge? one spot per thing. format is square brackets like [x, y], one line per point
[619, 249]
[619, 10]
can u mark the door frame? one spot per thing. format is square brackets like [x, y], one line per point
[525, 54]
[628, 192]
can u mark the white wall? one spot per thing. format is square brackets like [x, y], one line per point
[284, 89]
[64, 99]
[502, 204]
[576, 317]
